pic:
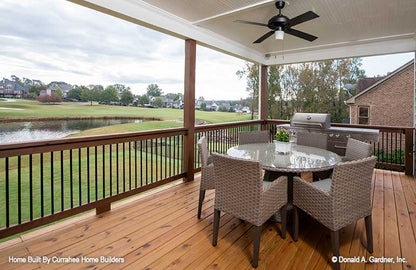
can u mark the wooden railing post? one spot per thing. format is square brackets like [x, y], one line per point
[189, 109]
[263, 96]
[104, 207]
[408, 151]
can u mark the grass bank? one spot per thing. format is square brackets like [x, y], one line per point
[35, 110]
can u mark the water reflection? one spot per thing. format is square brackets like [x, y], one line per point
[52, 129]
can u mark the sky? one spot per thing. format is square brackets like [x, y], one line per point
[56, 40]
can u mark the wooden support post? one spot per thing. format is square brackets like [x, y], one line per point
[408, 151]
[189, 109]
[263, 96]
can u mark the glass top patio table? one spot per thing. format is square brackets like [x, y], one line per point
[286, 157]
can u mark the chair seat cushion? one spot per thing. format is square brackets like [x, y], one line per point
[266, 185]
[324, 185]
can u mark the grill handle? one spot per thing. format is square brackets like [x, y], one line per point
[297, 124]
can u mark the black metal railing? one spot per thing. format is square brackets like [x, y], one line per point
[221, 137]
[45, 181]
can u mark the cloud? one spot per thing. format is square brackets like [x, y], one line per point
[59, 40]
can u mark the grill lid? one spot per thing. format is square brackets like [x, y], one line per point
[311, 120]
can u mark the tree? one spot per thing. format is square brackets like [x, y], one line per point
[16, 79]
[127, 97]
[90, 95]
[203, 106]
[59, 92]
[120, 87]
[223, 108]
[158, 102]
[251, 72]
[143, 99]
[317, 87]
[173, 96]
[110, 94]
[36, 89]
[153, 90]
[75, 93]
[275, 93]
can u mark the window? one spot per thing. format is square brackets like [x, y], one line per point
[363, 115]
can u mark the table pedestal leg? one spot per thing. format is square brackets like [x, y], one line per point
[276, 216]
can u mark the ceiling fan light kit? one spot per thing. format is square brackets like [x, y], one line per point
[279, 34]
[281, 24]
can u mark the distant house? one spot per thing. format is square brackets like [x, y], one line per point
[11, 89]
[167, 102]
[246, 109]
[387, 100]
[54, 86]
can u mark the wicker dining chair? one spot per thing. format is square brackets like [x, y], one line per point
[241, 192]
[339, 201]
[318, 140]
[253, 137]
[207, 172]
[357, 150]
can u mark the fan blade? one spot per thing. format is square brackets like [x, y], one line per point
[247, 22]
[300, 34]
[264, 37]
[307, 16]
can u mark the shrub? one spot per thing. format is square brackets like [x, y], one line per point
[53, 98]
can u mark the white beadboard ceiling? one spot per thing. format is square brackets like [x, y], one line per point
[345, 28]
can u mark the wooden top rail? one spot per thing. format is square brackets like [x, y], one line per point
[17, 149]
[381, 128]
[227, 125]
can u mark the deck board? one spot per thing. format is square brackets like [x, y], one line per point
[161, 231]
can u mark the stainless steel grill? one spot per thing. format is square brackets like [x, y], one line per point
[337, 136]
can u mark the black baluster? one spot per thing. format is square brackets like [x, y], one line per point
[103, 171]
[135, 164]
[129, 165]
[62, 181]
[117, 169]
[111, 170]
[146, 164]
[79, 177]
[71, 189]
[52, 187]
[88, 176]
[7, 193]
[19, 189]
[124, 167]
[151, 160]
[96, 172]
[141, 163]
[31, 185]
[42, 211]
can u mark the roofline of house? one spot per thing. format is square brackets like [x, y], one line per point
[351, 101]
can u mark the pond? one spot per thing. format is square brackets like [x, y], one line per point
[13, 132]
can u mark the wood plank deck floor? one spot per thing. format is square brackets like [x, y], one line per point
[160, 230]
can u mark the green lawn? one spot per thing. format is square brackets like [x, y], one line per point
[34, 110]
[131, 127]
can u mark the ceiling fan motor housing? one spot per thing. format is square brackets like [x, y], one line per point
[279, 21]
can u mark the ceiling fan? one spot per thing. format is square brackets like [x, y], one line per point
[281, 24]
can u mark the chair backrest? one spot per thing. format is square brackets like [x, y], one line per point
[203, 151]
[238, 186]
[351, 187]
[357, 149]
[253, 137]
[314, 139]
